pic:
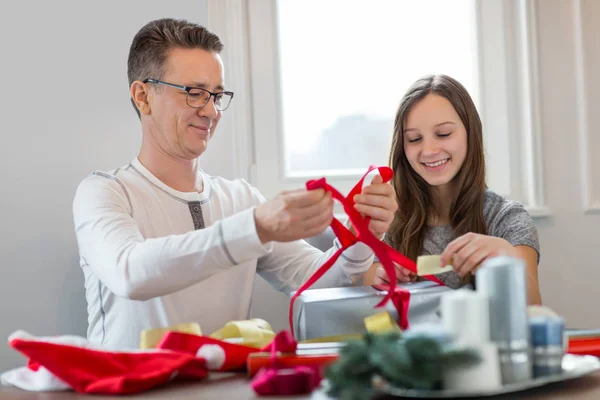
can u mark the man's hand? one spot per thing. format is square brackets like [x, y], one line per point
[378, 201]
[294, 215]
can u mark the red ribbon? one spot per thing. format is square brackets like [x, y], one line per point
[387, 255]
[279, 380]
[401, 300]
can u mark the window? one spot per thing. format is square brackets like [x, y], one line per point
[344, 69]
[325, 79]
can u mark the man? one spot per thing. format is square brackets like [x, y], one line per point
[160, 241]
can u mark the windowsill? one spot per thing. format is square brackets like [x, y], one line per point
[593, 208]
[539, 211]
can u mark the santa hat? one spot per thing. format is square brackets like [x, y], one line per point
[71, 362]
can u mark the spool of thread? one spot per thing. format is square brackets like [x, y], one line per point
[547, 343]
[465, 315]
[502, 280]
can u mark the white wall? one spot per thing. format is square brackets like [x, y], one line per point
[64, 111]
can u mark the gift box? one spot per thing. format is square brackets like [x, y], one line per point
[340, 312]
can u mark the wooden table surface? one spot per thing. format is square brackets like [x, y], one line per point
[236, 387]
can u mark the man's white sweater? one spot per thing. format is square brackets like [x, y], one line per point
[153, 256]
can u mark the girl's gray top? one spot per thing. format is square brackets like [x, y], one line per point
[503, 218]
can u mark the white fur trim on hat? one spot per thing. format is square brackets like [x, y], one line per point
[213, 354]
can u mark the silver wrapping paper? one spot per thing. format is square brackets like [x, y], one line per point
[341, 311]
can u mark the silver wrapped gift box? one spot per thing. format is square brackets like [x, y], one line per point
[341, 311]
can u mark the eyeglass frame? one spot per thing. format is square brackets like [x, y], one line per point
[187, 90]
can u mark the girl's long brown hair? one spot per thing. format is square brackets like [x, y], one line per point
[408, 229]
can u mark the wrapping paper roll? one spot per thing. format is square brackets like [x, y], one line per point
[502, 280]
[547, 341]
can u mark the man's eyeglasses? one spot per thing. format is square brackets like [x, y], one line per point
[198, 97]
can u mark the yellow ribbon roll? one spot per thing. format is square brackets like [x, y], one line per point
[254, 332]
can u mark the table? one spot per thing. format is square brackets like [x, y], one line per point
[236, 387]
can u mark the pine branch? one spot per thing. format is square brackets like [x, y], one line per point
[414, 362]
[453, 357]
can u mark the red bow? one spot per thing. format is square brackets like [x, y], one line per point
[387, 255]
[279, 380]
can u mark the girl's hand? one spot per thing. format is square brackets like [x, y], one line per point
[467, 252]
[402, 275]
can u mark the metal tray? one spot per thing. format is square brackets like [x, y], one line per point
[574, 366]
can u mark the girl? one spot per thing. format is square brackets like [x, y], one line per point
[444, 205]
